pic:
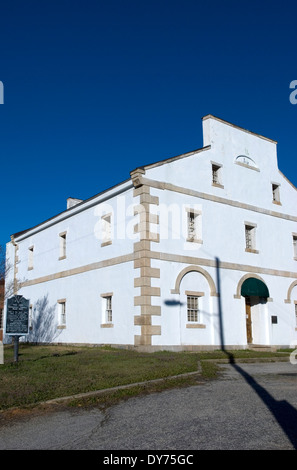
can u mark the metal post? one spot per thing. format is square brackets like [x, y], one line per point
[16, 348]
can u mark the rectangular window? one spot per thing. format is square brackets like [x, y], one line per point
[107, 308]
[295, 314]
[194, 228]
[191, 226]
[62, 312]
[108, 311]
[250, 238]
[216, 174]
[62, 238]
[30, 257]
[192, 308]
[106, 230]
[295, 246]
[275, 193]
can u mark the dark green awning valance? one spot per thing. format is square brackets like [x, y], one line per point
[253, 286]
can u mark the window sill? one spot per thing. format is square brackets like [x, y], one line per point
[217, 185]
[62, 257]
[106, 325]
[247, 166]
[61, 327]
[109, 242]
[278, 203]
[195, 325]
[30, 268]
[251, 250]
[194, 240]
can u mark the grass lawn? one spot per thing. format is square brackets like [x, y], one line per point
[47, 372]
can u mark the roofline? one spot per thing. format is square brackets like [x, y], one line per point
[93, 200]
[87, 202]
[288, 181]
[211, 116]
[90, 202]
[171, 159]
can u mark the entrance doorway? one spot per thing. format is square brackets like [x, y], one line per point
[256, 293]
[248, 320]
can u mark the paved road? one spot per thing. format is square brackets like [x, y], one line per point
[251, 406]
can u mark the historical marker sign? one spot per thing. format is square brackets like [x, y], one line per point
[17, 316]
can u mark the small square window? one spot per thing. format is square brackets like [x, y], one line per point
[62, 238]
[30, 257]
[106, 230]
[250, 238]
[275, 193]
[216, 174]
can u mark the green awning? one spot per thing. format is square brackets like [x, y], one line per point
[253, 286]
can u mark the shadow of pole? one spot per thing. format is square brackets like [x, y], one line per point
[283, 412]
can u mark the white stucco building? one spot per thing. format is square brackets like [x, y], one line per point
[194, 251]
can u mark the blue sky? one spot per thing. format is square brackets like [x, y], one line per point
[94, 89]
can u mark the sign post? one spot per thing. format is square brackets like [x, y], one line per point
[17, 320]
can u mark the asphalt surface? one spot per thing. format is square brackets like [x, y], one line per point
[249, 407]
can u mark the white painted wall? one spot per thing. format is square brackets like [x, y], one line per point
[223, 235]
[84, 305]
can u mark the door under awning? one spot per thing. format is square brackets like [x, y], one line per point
[254, 287]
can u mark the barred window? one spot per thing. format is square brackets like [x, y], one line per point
[192, 308]
[191, 226]
[250, 237]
